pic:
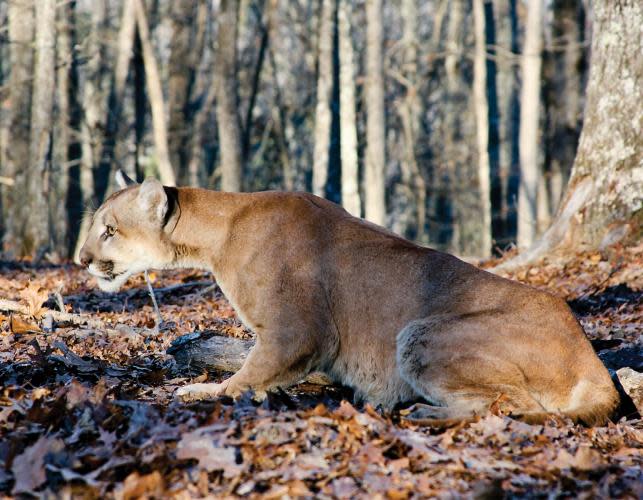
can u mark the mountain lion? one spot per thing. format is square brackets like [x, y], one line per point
[325, 291]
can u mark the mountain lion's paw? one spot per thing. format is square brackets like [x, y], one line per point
[196, 392]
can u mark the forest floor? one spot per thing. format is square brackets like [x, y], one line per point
[89, 411]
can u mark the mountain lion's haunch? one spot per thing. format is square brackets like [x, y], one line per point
[325, 291]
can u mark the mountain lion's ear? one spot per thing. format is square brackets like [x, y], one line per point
[152, 199]
[122, 180]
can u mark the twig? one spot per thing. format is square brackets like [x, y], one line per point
[10, 305]
[159, 319]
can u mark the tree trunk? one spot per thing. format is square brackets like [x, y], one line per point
[324, 95]
[603, 202]
[60, 218]
[37, 230]
[93, 105]
[348, 123]
[409, 112]
[181, 73]
[529, 126]
[155, 93]
[482, 126]
[225, 80]
[21, 32]
[112, 149]
[374, 168]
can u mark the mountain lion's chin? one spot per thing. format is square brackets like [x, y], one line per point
[112, 285]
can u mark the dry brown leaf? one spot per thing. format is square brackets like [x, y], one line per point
[19, 326]
[136, 486]
[34, 296]
[29, 467]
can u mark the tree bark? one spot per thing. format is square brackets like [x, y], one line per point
[225, 80]
[323, 114]
[21, 32]
[529, 126]
[93, 105]
[375, 157]
[155, 93]
[603, 202]
[181, 73]
[37, 230]
[482, 126]
[348, 123]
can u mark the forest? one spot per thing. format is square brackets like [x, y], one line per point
[506, 132]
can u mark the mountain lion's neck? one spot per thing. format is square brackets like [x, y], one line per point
[200, 226]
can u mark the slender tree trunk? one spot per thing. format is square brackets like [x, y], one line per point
[529, 126]
[409, 112]
[603, 202]
[37, 231]
[93, 105]
[323, 114]
[112, 148]
[374, 168]
[226, 83]
[181, 73]
[21, 32]
[155, 93]
[348, 123]
[59, 216]
[482, 126]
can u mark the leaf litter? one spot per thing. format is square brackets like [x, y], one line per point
[89, 411]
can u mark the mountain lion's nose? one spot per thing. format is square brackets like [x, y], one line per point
[85, 258]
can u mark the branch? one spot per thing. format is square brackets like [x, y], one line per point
[77, 319]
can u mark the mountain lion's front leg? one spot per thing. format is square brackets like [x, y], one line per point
[277, 360]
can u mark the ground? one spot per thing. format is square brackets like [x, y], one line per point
[88, 409]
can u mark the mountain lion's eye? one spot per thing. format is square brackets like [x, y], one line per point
[109, 232]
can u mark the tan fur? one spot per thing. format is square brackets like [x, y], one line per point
[325, 291]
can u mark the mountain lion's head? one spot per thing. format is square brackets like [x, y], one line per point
[127, 233]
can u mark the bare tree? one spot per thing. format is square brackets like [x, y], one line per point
[529, 126]
[348, 123]
[21, 32]
[225, 80]
[603, 203]
[375, 156]
[37, 234]
[181, 74]
[324, 95]
[155, 92]
[482, 125]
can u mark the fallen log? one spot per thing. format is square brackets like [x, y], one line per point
[208, 351]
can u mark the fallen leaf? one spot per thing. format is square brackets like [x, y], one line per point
[29, 467]
[34, 297]
[136, 486]
[19, 326]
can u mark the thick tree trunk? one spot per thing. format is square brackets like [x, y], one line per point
[482, 126]
[529, 126]
[37, 230]
[225, 80]
[21, 32]
[323, 114]
[155, 93]
[603, 203]
[375, 157]
[348, 123]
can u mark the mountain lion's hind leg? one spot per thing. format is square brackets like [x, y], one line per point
[460, 377]
[275, 361]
